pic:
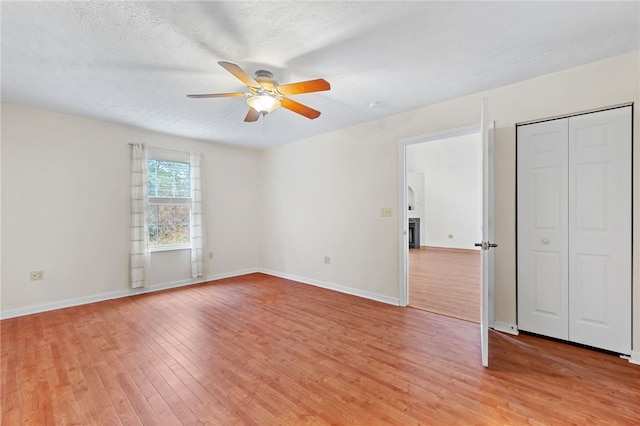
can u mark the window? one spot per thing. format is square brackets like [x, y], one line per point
[169, 214]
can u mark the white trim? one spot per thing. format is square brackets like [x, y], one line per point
[335, 287]
[170, 247]
[160, 201]
[403, 255]
[443, 134]
[506, 328]
[231, 274]
[635, 357]
[164, 154]
[588, 111]
[117, 294]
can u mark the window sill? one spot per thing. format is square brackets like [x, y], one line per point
[170, 248]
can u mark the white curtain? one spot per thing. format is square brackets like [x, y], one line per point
[140, 254]
[197, 219]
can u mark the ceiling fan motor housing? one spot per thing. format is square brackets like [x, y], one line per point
[265, 78]
[265, 74]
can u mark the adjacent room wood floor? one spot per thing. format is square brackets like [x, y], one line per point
[446, 281]
[259, 350]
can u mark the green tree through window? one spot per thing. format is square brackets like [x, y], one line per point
[169, 212]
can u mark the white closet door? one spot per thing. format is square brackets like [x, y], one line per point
[600, 229]
[542, 188]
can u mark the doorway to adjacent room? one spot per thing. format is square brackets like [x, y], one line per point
[444, 205]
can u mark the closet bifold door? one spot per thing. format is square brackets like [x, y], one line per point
[574, 233]
[600, 174]
[542, 229]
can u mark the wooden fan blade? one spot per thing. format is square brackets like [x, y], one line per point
[217, 95]
[239, 73]
[252, 115]
[304, 87]
[299, 108]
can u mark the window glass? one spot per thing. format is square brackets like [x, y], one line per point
[168, 178]
[169, 212]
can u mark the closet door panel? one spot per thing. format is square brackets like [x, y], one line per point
[600, 229]
[590, 289]
[542, 228]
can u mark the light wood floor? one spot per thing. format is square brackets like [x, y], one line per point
[446, 281]
[259, 350]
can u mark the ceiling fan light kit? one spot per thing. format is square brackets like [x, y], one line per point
[264, 104]
[265, 95]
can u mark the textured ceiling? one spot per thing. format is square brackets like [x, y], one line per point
[135, 62]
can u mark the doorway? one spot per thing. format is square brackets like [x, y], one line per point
[444, 200]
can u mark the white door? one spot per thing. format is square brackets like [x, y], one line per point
[600, 229]
[487, 230]
[542, 188]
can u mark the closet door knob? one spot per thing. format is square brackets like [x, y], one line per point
[545, 241]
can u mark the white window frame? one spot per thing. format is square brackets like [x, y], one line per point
[179, 157]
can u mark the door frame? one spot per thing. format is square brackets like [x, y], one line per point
[403, 249]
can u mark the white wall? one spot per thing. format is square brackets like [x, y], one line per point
[322, 196]
[452, 170]
[65, 209]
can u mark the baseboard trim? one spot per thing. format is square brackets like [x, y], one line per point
[19, 312]
[335, 287]
[635, 357]
[506, 328]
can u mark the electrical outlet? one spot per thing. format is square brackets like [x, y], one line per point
[386, 212]
[36, 275]
[327, 260]
[210, 255]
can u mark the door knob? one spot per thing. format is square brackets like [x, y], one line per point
[486, 245]
[545, 241]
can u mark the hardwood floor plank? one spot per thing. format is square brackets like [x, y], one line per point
[260, 350]
[172, 400]
[136, 398]
[118, 396]
[140, 380]
[104, 409]
[162, 410]
[446, 281]
[181, 399]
